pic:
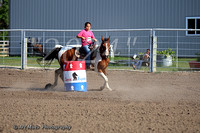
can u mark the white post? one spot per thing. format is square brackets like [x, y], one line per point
[112, 55]
[153, 51]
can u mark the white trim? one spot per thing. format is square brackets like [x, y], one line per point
[186, 32]
[99, 30]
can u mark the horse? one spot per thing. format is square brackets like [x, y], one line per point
[38, 48]
[63, 54]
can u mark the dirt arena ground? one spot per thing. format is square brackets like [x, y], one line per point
[140, 102]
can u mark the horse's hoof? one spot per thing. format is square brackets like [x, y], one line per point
[48, 86]
[109, 89]
[101, 88]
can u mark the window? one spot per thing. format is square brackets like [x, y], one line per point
[192, 23]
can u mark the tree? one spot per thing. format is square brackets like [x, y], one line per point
[4, 18]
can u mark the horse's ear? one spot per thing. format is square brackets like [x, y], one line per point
[109, 38]
[102, 38]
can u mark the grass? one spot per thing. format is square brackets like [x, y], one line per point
[181, 65]
[119, 63]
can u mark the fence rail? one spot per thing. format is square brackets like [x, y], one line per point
[25, 45]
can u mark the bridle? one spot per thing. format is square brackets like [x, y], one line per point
[104, 50]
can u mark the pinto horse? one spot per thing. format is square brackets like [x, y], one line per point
[63, 54]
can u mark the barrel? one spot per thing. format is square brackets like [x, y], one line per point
[164, 60]
[75, 76]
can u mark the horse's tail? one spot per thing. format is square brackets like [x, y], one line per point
[46, 61]
[53, 54]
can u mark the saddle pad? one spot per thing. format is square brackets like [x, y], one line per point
[63, 49]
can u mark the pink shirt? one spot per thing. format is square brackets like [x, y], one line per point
[88, 37]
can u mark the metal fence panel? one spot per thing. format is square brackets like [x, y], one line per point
[6, 59]
[26, 45]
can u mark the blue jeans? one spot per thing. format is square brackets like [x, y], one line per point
[138, 64]
[87, 51]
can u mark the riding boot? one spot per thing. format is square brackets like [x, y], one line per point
[134, 67]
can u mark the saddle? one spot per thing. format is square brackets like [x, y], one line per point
[81, 54]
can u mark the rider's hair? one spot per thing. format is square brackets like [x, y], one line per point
[87, 23]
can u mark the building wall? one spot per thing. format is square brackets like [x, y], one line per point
[103, 14]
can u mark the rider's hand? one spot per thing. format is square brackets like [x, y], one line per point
[83, 38]
[95, 39]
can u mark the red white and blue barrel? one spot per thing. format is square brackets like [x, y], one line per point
[75, 76]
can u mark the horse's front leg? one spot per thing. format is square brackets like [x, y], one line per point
[105, 81]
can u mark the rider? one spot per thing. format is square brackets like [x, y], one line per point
[86, 36]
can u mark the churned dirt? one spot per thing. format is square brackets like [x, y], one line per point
[139, 102]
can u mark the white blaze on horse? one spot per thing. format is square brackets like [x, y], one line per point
[99, 54]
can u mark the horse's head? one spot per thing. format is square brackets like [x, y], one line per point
[105, 47]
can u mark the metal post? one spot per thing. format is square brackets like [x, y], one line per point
[23, 50]
[64, 39]
[151, 51]
[129, 49]
[43, 46]
[177, 51]
[3, 45]
[22, 63]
